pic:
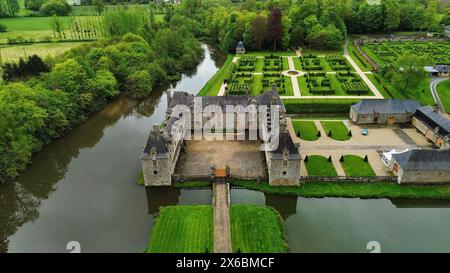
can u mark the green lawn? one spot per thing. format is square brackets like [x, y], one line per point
[318, 165]
[256, 229]
[356, 166]
[288, 87]
[443, 89]
[360, 61]
[307, 129]
[338, 130]
[14, 52]
[353, 190]
[31, 23]
[212, 87]
[183, 229]
[35, 28]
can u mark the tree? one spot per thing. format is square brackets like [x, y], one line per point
[55, 7]
[34, 5]
[328, 37]
[259, 31]
[274, 27]
[21, 119]
[391, 14]
[57, 26]
[99, 6]
[139, 84]
[409, 72]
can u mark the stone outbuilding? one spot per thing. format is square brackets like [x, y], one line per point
[422, 166]
[433, 125]
[383, 111]
[447, 31]
[439, 70]
[240, 49]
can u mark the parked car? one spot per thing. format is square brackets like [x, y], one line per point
[365, 131]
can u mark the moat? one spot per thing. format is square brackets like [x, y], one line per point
[81, 188]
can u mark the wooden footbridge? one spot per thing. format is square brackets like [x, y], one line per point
[221, 203]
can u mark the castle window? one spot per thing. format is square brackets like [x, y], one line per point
[285, 163]
[154, 163]
[155, 172]
[284, 173]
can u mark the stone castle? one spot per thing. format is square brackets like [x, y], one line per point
[165, 142]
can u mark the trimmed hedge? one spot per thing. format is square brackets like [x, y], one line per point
[302, 106]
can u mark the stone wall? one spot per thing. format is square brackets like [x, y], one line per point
[281, 174]
[158, 174]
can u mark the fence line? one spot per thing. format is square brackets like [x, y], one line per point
[362, 179]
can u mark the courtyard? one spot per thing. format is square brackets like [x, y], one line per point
[243, 156]
[330, 147]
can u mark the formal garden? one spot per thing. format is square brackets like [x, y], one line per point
[387, 52]
[330, 75]
[257, 74]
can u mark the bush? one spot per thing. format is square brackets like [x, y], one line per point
[3, 28]
[56, 7]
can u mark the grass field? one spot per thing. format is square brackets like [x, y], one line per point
[212, 87]
[353, 190]
[318, 165]
[256, 229]
[356, 166]
[306, 130]
[33, 28]
[443, 89]
[183, 229]
[337, 129]
[15, 52]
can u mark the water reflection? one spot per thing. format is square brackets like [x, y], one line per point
[412, 203]
[285, 205]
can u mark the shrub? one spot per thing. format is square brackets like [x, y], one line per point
[3, 28]
[56, 7]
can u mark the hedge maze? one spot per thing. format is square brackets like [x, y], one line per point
[338, 62]
[387, 52]
[330, 75]
[319, 83]
[311, 62]
[255, 75]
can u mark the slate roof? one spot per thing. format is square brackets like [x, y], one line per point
[240, 45]
[433, 119]
[424, 160]
[266, 98]
[155, 140]
[385, 106]
[285, 141]
[447, 28]
[441, 68]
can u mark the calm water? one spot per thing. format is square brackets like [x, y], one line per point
[81, 188]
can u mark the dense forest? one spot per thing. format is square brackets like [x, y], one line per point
[40, 104]
[138, 56]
